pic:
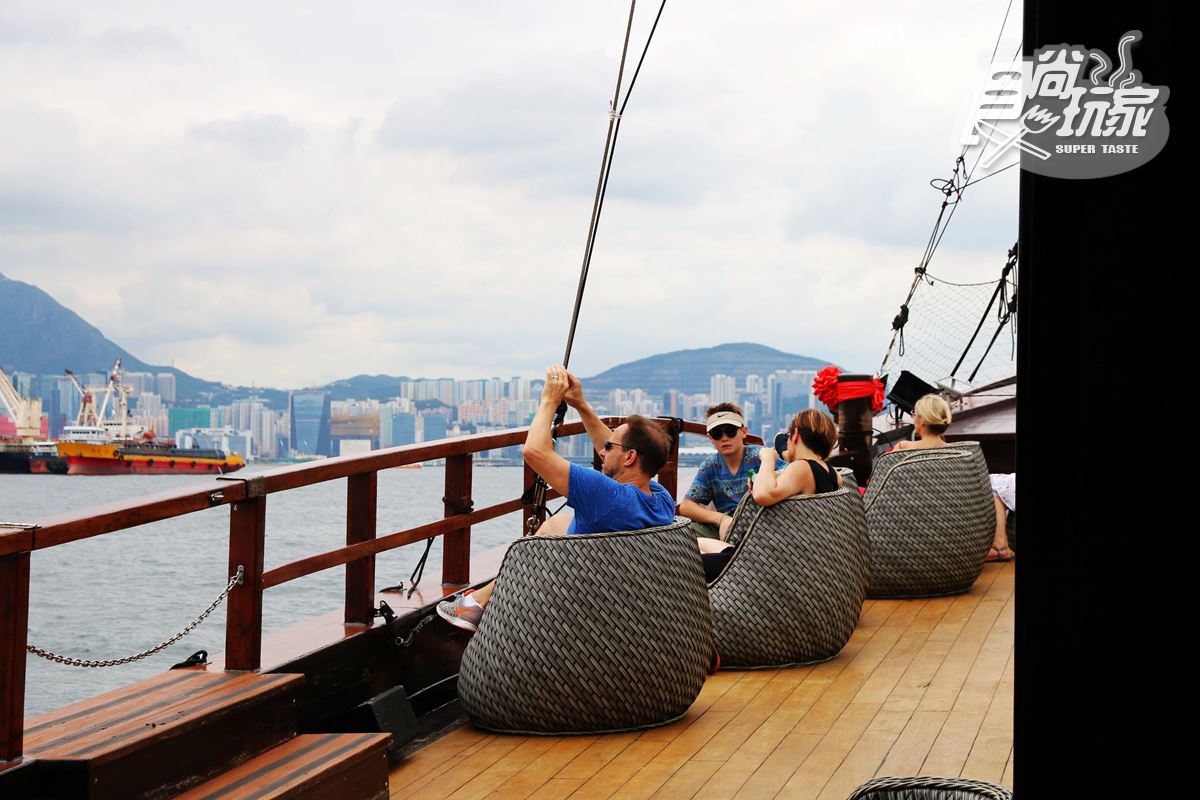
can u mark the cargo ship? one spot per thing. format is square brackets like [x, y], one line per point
[100, 444]
[88, 450]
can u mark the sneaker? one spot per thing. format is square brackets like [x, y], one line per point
[459, 614]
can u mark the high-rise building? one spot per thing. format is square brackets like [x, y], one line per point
[670, 403]
[165, 382]
[722, 388]
[181, 418]
[433, 427]
[404, 429]
[791, 392]
[139, 383]
[309, 414]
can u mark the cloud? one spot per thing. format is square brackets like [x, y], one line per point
[406, 189]
[148, 39]
[256, 135]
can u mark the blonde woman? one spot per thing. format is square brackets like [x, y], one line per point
[931, 418]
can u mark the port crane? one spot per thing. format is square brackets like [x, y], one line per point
[25, 412]
[118, 425]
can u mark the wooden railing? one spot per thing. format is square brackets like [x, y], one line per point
[247, 499]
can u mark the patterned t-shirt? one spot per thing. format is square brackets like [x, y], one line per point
[714, 483]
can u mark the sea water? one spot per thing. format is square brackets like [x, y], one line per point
[118, 594]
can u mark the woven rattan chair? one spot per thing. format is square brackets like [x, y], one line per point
[931, 520]
[929, 788]
[793, 591]
[590, 634]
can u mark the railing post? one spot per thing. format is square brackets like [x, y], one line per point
[456, 546]
[361, 494]
[668, 476]
[243, 625]
[14, 633]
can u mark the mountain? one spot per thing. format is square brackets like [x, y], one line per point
[42, 336]
[39, 335]
[689, 370]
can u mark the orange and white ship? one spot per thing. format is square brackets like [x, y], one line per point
[108, 443]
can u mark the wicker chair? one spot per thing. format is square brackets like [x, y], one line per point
[590, 634]
[929, 788]
[805, 558]
[931, 520]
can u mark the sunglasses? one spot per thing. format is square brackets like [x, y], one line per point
[610, 444]
[723, 432]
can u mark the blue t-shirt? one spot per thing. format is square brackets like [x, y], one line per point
[714, 483]
[601, 504]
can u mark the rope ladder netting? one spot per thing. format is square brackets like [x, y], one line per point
[937, 335]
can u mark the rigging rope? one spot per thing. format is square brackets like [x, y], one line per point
[537, 494]
[947, 186]
[1000, 289]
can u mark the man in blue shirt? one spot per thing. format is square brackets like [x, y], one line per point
[621, 497]
[724, 476]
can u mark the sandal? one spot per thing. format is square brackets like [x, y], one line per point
[999, 554]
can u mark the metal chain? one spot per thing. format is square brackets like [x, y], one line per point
[235, 580]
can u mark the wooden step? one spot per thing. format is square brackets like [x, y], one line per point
[348, 766]
[164, 734]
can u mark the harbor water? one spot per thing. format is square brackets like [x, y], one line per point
[118, 594]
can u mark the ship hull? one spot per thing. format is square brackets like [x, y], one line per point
[82, 465]
[14, 459]
[106, 459]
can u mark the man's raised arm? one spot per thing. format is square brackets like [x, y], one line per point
[597, 431]
[539, 444]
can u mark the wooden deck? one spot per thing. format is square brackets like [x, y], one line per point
[923, 687]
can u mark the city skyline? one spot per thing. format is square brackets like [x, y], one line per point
[317, 424]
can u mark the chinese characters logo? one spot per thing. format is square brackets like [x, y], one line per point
[1068, 112]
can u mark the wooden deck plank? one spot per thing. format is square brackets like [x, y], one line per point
[758, 748]
[820, 765]
[658, 770]
[596, 755]
[986, 640]
[687, 780]
[458, 771]
[720, 683]
[779, 767]
[992, 749]
[613, 775]
[922, 687]
[512, 763]
[751, 717]
[544, 767]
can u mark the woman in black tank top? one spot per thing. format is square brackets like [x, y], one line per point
[811, 438]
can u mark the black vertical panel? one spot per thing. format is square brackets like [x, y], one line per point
[1101, 283]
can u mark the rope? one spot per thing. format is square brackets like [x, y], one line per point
[615, 115]
[947, 186]
[605, 162]
[1000, 288]
[236, 580]
[419, 570]
[1005, 312]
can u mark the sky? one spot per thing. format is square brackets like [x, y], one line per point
[285, 194]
